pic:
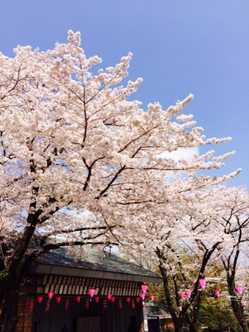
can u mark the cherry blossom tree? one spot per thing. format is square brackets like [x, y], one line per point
[185, 236]
[235, 220]
[178, 242]
[228, 210]
[79, 159]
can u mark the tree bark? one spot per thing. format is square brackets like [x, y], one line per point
[238, 311]
[194, 327]
[9, 311]
[11, 284]
[237, 306]
[179, 326]
[179, 320]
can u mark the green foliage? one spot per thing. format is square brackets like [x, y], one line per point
[216, 315]
[3, 275]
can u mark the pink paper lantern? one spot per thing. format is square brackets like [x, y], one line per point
[143, 292]
[186, 294]
[109, 296]
[144, 288]
[50, 295]
[217, 293]
[91, 292]
[239, 290]
[202, 283]
[97, 299]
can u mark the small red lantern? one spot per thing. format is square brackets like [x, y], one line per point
[113, 299]
[97, 299]
[58, 299]
[39, 298]
[109, 296]
[138, 299]
[128, 300]
[77, 299]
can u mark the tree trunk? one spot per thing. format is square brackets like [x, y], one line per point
[238, 311]
[194, 327]
[10, 296]
[193, 317]
[11, 284]
[9, 310]
[242, 323]
[237, 306]
[179, 325]
[184, 324]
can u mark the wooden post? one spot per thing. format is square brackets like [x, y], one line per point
[24, 320]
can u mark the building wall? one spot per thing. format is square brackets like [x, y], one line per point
[49, 316]
[58, 319]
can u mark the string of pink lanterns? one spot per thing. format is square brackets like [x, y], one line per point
[92, 295]
[202, 283]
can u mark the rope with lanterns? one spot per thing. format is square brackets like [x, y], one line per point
[133, 302]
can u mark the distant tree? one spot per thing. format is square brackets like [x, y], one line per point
[235, 217]
[182, 238]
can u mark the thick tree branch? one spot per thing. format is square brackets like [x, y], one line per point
[54, 246]
[103, 191]
[89, 170]
[79, 229]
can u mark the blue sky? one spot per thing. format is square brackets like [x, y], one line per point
[179, 47]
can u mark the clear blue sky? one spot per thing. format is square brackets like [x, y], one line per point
[196, 46]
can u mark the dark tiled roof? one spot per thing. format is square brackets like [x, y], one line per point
[97, 263]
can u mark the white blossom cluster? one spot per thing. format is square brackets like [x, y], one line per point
[72, 137]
